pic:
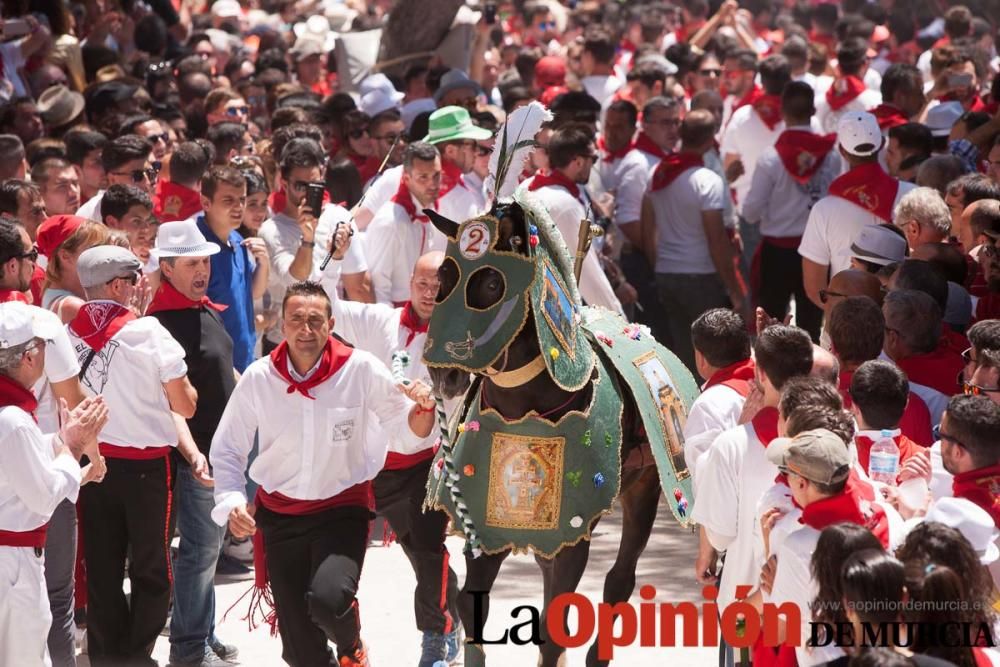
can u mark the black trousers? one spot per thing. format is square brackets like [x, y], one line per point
[399, 495]
[780, 278]
[314, 564]
[129, 513]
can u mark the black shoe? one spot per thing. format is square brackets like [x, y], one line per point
[230, 567]
[225, 651]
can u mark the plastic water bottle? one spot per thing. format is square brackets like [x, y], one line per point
[883, 460]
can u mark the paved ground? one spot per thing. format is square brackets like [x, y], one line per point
[387, 609]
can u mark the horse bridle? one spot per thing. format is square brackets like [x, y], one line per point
[518, 376]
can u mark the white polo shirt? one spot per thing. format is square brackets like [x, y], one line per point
[382, 189]
[91, 209]
[627, 177]
[681, 243]
[715, 410]
[130, 371]
[394, 242]
[828, 118]
[60, 365]
[747, 136]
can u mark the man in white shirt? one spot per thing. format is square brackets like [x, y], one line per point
[400, 232]
[313, 403]
[139, 369]
[659, 131]
[597, 60]
[684, 237]
[37, 474]
[865, 195]
[127, 160]
[848, 93]
[789, 177]
[400, 487]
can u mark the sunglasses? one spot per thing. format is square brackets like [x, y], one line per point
[970, 389]
[357, 134]
[392, 138]
[139, 175]
[31, 255]
[710, 71]
[967, 356]
[165, 138]
[941, 435]
[825, 294]
[237, 111]
[483, 151]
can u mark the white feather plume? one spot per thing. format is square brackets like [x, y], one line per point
[515, 142]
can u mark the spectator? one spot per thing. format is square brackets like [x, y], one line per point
[59, 185]
[902, 97]
[659, 134]
[848, 95]
[451, 131]
[61, 239]
[963, 192]
[923, 217]
[83, 151]
[877, 247]
[970, 428]
[127, 160]
[879, 393]
[179, 197]
[909, 146]
[128, 209]
[12, 158]
[597, 59]
[938, 171]
[23, 201]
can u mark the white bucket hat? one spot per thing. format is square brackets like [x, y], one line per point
[182, 238]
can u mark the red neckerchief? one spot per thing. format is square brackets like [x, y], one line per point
[751, 97]
[98, 321]
[671, 167]
[335, 355]
[611, 156]
[944, 41]
[908, 52]
[451, 177]
[738, 377]
[647, 145]
[168, 298]
[765, 425]
[915, 422]
[843, 91]
[404, 198]
[802, 152]
[11, 393]
[278, 200]
[937, 369]
[829, 41]
[907, 448]
[889, 116]
[13, 295]
[981, 486]
[554, 177]
[409, 320]
[768, 107]
[369, 169]
[851, 506]
[172, 201]
[976, 104]
[869, 187]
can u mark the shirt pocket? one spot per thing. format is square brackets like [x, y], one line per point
[344, 426]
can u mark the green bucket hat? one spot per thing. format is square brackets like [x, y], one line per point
[453, 124]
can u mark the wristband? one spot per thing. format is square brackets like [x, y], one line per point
[421, 411]
[309, 244]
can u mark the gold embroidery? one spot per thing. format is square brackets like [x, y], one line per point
[525, 488]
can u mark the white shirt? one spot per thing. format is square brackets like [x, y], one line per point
[735, 473]
[60, 365]
[626, 177]
[780, 203]
[713, 161]
[394, 243]
[91, 209]
[567, 211]
[308, 449]
[747, 136]
[833, 225]
[477, 187]
[601, 87]
[458, 204]
[130, 371]
[681, 243]
[715, 410]
[941, 479]
[33, 480]
[354, 260]
[382, 190]
[828, 118]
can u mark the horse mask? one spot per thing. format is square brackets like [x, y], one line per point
[499, 269]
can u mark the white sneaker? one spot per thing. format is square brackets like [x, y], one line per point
[241, 550]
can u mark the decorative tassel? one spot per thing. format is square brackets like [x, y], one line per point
[261, 597]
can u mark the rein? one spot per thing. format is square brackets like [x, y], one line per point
[518, 376]
[540, 416]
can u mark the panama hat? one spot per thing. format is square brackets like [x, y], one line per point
[59, 105]
[453, 124]
[182, 238]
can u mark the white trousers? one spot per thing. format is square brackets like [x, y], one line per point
[24, 609]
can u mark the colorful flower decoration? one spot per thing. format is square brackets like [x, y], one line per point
[469, 470]
[576, 521]
[586, 438]
[598, 480]
[574, 477]
[472, 426]
[554, 353]
[606, 339]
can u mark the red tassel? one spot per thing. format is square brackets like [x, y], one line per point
[261, 597]
[388, 536]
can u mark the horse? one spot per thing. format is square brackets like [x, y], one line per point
[513, 387]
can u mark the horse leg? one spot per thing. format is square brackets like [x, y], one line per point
[480, 574]
[565, 572]
[639, 505]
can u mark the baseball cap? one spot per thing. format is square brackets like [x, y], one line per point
[818, 455]
[879, 245]
[54, 231]
[19, 323]
[859, 134]
[942, 117]
[104, 263]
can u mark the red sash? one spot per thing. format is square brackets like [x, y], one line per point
[97, 322]
[671, 167]
[850, 505]
[27, 538]
[555, 177]
[751, 97]
[907, 448]
[168, 298]
[981, 486]
[843, 91]
[451, 178]
[404, 198]
[738, 377]
[133, 453]
[869, 187]
[335, 355]
[768, 107]
[12, 393]
[647, 145]
[611, 156]
[172, 201]
[889, 116]
[765, 425]
[937, 370]
[409, 321]
[802, 152]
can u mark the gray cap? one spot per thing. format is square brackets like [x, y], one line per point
[104, 263]
[818, 455]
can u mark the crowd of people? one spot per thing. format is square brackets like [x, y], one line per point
[213, 240]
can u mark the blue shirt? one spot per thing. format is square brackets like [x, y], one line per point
[231, 284]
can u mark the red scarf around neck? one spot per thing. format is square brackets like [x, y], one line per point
[768, 107]
[982, 487]
[168, 298]
[751, 97]
[869, 187]
[555, 177]
[802, 152]
[647, 145]
[172, 201]
[451, 178]
[335, 355]
[673, 166]
[611, 156]
[844, 91]
[889, 116]
[851, 506]
[738, 377]
[404, 198]
[98, 321]
[765, 425]
[13, 295]
[937, 370]
[12, 393]
[976, 104]
[409, 320]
